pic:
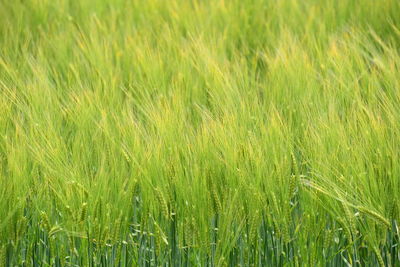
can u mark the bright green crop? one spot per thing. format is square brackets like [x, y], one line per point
[199, 133]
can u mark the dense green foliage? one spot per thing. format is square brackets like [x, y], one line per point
[199, 133]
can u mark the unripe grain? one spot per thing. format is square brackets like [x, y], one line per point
[162, 202]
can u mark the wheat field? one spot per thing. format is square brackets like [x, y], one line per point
[199, 133]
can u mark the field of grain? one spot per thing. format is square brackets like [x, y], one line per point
[199, 133]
